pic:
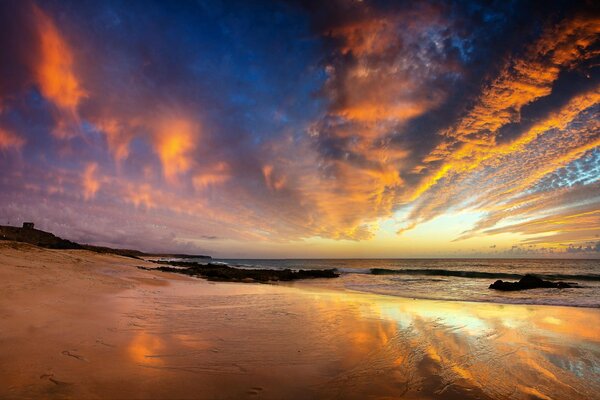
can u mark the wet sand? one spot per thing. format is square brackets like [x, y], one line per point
[76, 324]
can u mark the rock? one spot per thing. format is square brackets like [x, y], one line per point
[225, 273]
[529, 282]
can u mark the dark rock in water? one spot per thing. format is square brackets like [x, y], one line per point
[219, 272]
[529, 282]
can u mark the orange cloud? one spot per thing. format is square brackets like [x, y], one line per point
[141, 195]
[370, 90]
[378, 110]
[344, 205]
[10, 140]
[499, 181]
[175, 140]
[272, 180]
[116, 137]
[370, 36]
[574, 225]
[220, 173]
[55, 71]
[376, 84]
[526, 80]
[90, 182]
[521, 82]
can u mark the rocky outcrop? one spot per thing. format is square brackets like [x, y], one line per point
[225, 273]
[529, 282]
[27, 234]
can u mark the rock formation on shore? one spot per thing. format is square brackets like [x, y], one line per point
[224, 273]
[529, 282]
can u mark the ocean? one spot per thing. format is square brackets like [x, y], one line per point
[451, 279]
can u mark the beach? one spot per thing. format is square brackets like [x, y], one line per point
[78, 324]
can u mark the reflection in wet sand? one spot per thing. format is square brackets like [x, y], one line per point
[351, 345]
[486, 350]
[123, 336]
[144, 348]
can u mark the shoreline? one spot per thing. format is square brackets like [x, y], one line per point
[242, 272]
[307, 285]
[76, 324]
[473, 301]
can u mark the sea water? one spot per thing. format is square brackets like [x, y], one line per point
[451, 279]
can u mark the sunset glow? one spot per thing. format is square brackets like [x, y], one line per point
[356, 129]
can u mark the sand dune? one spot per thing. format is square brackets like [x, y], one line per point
[77, 324]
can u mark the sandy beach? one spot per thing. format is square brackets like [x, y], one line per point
[77, 324]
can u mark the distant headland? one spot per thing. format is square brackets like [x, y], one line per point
[28, 234]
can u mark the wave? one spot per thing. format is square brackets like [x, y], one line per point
[481, 274]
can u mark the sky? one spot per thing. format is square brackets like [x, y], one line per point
[304, 129]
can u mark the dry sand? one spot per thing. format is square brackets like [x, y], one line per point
[76, 324]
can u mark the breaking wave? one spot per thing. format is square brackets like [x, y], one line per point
[480, 274]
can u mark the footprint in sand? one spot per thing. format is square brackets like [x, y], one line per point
[74, 355]
[102, 342]
[255, 391]
[59, 383]
[55, 381]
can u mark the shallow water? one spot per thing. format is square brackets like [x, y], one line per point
[455, 279]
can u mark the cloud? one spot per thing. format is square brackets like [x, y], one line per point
[385, 69]
[91, 183]
[116, 135]
[214, 175]
[475, 161]
[526, 79]
[376, 111]
[9, 140]
[55, 74]
[140, 196]
[272, 181]
[590, 248]
[175, 139]
[521, 82]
